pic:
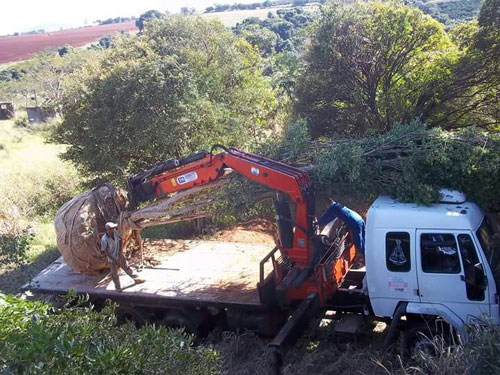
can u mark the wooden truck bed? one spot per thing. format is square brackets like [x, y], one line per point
[196, 273]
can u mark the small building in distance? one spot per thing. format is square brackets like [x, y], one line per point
[6, 110]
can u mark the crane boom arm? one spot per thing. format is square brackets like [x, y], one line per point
[204, 168]
[305, 265]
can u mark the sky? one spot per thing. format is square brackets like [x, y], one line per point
[26, 15]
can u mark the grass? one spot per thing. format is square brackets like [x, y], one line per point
[25, 149]
[34, 182]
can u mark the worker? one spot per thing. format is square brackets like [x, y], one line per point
[351, 219]
[111, 246]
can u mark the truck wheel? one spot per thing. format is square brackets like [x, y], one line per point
[420, 337]
[178, 320]
[128, 314]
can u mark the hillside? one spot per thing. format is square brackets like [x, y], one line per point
[16, 48]
[449, 12]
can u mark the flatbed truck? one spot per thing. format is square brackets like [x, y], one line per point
[422, 264]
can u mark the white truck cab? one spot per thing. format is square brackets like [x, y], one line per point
[437, 260]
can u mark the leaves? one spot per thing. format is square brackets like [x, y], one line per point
[371, 65]
[181, 86]
[83, 341]
[364, 66]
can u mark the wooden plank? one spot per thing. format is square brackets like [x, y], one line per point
[206, 271]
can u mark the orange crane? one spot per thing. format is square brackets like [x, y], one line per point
[303, 263]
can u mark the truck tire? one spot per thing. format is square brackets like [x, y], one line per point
[125, 314]
[421, 336]
[178, 320]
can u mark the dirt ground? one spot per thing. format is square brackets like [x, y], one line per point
[254, 231]
[13, 278]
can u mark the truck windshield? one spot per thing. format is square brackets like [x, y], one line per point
[491, 248]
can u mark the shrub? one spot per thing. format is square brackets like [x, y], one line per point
[183, 85]
[13, 247]
[84, 341]
[15, 236]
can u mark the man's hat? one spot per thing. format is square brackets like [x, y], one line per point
[110, 225]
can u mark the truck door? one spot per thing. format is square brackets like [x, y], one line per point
[391, 269]
[451, 273]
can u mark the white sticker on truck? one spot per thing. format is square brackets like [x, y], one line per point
[188, 177]
[398, 284]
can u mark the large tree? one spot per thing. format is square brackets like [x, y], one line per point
[181, 86]
[372, 65]
[366, 67]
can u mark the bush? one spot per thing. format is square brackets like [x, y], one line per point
[14, 246]
[183, 85]
[22, 120]
[483, 347]
[84, 341]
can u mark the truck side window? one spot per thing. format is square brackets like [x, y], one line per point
[470, 260]
[439, 253]
[397, 251]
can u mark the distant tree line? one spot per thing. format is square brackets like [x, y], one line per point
[276, 33]
[109, 21]
[449, 12]
[265, 4]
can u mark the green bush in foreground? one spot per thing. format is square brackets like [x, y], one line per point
[83, 341]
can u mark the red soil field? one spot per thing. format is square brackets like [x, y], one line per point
[15, 48]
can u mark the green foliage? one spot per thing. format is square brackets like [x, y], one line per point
[147, 17]
[14, 245]
[480, 355]
[84, 341]
[181, 86]
[488, 38]
[34, 184]
[372, 65]
[483, 347]
[412, 163]
[264, 39]
[449, 12]
[489, 15]
[276, 34]
[64, 50]
[295, 140]
[280, 39]
[255, 5]
[42, 75]
[367, 67]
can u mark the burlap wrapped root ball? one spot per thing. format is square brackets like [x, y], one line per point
[80, 224]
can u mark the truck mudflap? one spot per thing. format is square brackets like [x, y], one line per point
[294, 326]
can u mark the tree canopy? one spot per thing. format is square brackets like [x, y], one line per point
[365, 67]
[181, 86]
[372, 65]
[148, 16]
